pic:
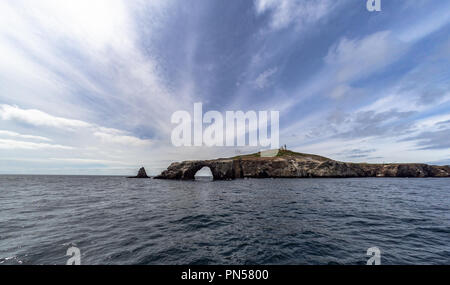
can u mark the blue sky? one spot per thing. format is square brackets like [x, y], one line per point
[88, 87]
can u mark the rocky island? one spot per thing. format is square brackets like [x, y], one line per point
[289, 164]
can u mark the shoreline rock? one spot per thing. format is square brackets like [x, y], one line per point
[289, 164]
[141, 174]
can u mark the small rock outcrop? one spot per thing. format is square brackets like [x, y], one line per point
[289, 164]
[141, 174]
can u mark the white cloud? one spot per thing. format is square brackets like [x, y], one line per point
[15, 144]
[41, 119]
[21, 136]
[352, 59]
[89, 161]
[93, 143]
[96, 23]
[32, 55]
[340, 91]
[121, 139]
[56, 56]
[38, 118]
[435, 20]
[347, 61]
[432, 123]
[68, 69]
[263, 80]
[287, 12]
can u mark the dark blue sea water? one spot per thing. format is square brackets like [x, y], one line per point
[114, 220]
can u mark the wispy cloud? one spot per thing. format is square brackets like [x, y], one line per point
[41, 119]
[38, 118]
[353, 59]
[15, 144]
[263, 80]
[121, 138]
[22, 136]
[287, 12]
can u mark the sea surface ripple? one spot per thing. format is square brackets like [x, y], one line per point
[114, 220]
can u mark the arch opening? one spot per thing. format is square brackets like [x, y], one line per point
[204, 174]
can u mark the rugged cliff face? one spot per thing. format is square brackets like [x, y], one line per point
[288, 164]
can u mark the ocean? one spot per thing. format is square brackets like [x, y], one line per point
[115, 220]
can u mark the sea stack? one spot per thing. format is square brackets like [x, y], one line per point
[141, 174]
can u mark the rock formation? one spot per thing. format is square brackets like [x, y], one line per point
[289, 164]
[141, 174]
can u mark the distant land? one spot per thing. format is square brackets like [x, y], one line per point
[290, 164]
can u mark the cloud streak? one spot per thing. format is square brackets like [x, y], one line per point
[15, 144]
[38, 118]
[288, 12]
[22, 136]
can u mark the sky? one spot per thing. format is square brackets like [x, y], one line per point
[89, 86]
